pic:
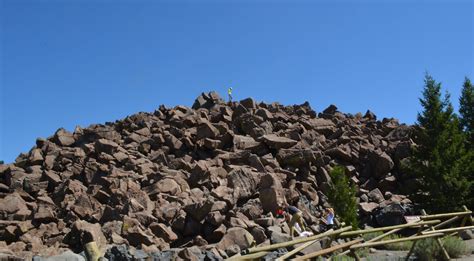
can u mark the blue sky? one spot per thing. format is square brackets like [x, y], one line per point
[68, 63]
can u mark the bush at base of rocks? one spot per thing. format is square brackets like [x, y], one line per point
[428, 249]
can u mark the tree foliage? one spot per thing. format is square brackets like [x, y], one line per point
[342, 196]
[466, 111]
[439, 161]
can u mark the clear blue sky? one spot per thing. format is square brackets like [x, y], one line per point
[68, 63]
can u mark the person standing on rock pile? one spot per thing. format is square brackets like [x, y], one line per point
[229, 91]
[293, 216]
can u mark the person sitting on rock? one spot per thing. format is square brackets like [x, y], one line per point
[293, 216]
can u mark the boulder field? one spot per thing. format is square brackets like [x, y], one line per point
[198, 183]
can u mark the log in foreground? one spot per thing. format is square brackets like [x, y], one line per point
[296, 250]
[294, 242]
[447, 230]
[365, 231]
[445, 215]
[371, 244]
[329, 250]
[375, 239]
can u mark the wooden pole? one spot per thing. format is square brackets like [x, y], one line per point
[371, 244]
[329, 250]
[463, 222]
[445, 215]
[296, 250]
[375, 239]
[438, 240]
[365, 231]
[445, 223]
[448, 230]
[296, 241]
[412, 248]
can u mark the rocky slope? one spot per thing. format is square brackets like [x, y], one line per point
[196, 182]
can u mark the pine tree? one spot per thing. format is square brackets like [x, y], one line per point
[438, 160]
[342, 196]
[466, 111]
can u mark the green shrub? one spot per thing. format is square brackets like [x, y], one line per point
[428, 249]
[342, 196]
[455, 246]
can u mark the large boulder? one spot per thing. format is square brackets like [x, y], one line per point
[381, 164]
[163, 231]
[64, 138]
[82, 233]
[206, 130]
[107, 146]
[243, 181]
[245, 142]
[367, 208]
[390, 215]
[236, 236]
[13, 207]
[276, 142]
[167, 186]
[207, 100]
[271, 193]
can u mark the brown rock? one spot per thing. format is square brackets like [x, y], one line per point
[245, 142]
[248, 103]
[376, 196]
[107, 146]
[380, 163]
[271, 194]
[13, 207]
[215, 218]
[276, 142]
[367, 208]
[83, 232]
[168, 186]
[236, 236]
[36, 157]
[45, 214]
[200, 209]
[163, 231]
[64, 138]
[206, 130]
[323, 126]
[243, 181]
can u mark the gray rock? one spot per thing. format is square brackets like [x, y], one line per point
[390, 215]
[275, 254]
[118, 253]
[66, 256]
[467, 234]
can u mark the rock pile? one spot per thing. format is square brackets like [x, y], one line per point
[196, 183]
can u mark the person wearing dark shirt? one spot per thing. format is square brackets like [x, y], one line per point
[293, 216]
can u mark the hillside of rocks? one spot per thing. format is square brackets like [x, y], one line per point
[200, 182]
